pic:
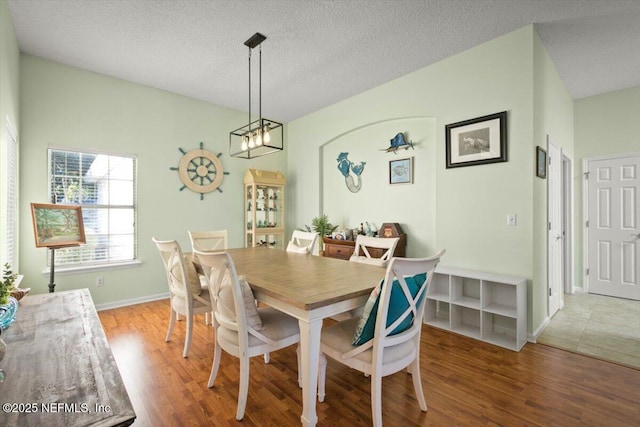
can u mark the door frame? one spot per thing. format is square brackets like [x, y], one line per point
[566, 224]
[585, 210]
[567, 220]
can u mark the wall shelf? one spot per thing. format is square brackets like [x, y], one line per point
[484, 306]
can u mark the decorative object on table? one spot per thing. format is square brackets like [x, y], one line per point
[57, 226]
[265, 208]
[401, 171]
[398, 143]
[261, 136]
[390, 229]
[200, 171]
[322, 226]
[541, 162]
[346, 168]
[477, 141]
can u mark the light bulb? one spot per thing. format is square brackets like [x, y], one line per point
[258, 137]
[267, 136]
[252, 143]
[243, 147]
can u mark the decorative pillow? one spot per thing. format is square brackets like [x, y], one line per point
[227, 307]
[193, 281]
[397, 305]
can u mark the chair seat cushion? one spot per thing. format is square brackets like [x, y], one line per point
[276, 326]
[336, 340]
[397, 306]
[179, 303]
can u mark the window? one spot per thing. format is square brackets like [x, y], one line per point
[104, 185]
[9, 198]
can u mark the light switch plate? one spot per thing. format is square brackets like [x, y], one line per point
[512, 220]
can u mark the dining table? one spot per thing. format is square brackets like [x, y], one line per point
[311, 289]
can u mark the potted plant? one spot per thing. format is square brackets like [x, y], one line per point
[7, 284]
[322, 226]
[8, 304]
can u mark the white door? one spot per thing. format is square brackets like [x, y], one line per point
[613, 227]
[555, 235]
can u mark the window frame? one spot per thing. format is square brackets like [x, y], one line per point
[109, 263]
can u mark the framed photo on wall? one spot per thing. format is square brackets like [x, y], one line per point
[477, 141]
[57, 226]
[401, 171]
[541, 162]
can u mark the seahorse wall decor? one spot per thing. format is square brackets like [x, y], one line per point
[346, 168]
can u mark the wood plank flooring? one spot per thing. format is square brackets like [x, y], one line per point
[466, 382]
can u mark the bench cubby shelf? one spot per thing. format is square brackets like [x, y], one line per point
[485, 306]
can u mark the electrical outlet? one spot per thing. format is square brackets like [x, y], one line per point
[100, 281]
[512, 220]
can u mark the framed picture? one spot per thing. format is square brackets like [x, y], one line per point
[477, 141]
[401, 171]
[57, 225]
[541, 162]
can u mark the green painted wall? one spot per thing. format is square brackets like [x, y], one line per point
[465, 209]
[604, 124]
[67, 107]
[9, 104]
[553, 118]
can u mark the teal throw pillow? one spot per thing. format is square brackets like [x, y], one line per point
[397, 305]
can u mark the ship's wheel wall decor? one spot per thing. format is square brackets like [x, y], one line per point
[200, 171]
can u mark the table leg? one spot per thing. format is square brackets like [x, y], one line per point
[310, 348]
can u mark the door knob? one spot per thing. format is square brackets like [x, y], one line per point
[636, 235]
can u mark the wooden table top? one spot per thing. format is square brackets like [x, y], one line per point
[59, 367]
[304, 281]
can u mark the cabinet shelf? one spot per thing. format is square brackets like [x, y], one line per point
[480, 305]
[264, 193]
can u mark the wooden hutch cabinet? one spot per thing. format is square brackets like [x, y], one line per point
[343, 249]
[264, 208]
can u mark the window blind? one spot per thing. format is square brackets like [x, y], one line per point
[104, 185]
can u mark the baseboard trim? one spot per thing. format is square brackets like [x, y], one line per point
[533, 337]
[132, 301]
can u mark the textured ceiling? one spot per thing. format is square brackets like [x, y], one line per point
[319, 52]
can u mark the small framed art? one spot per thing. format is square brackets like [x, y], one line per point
[477, 141]
[541, 162]
[401, 171]
[57, 225]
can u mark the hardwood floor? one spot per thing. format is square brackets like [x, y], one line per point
[466, 382]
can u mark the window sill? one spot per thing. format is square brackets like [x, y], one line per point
[92, 268]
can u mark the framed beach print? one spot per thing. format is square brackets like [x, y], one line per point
[57, 226]
[477, 141]
[541, 162]
[401, 171]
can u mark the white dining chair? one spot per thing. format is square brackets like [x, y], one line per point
[363, 243]
[188, 292]
[206, 241]
[242, 329]
[387, 336]
[302, 242]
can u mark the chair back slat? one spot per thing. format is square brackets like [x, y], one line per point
[208, 241]
[302, 241]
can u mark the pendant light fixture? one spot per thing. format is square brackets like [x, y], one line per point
[262, 136]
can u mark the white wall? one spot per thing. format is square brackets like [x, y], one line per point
[68, 107]
[553, 117]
